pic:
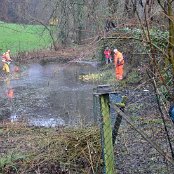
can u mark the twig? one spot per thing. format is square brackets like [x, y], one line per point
[90, 157]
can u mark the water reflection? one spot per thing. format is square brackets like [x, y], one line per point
[9, 89]
[46, 122]
[10, 94]
[52, 95]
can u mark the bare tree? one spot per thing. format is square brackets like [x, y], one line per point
[4, 10]
[154, 71]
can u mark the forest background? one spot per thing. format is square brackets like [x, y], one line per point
[144, 31]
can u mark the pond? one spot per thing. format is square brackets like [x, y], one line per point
[49, 95]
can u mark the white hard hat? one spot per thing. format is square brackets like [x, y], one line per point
[115, 50]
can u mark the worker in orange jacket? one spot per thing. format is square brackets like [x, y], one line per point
[6, 56]
[6, 60]
[119, 63]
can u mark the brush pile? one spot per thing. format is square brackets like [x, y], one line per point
[30, 150]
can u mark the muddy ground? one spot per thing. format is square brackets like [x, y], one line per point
[62, 55]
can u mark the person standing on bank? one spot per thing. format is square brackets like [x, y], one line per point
[119, 64]
[108, 57]
[7, 55]
[6, 61]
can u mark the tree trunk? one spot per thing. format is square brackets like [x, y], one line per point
[79, 22]
[3, 10]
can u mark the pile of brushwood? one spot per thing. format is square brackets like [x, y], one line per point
[29, 150]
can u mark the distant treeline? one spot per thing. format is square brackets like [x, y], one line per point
[15, 11]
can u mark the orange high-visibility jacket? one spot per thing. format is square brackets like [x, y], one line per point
[119, 63]
[118, 59]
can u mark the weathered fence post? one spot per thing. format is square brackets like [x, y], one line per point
[116, 128]
[102, 115]
[96, 107]
[106, 127]
[121, 102]
[101, 100]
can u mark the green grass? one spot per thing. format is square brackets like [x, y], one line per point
[9, 160]
[19, 38]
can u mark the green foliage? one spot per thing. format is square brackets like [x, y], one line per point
[100, 53]
[9, 160]
[134, 108]
[133, 77]
[90, 77]
[144, 120]
[106, 76]
[168, 77]
[163, 92]
[19, 38]
[164, 89]
[159, 38]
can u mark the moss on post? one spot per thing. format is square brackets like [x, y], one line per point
[107, 146]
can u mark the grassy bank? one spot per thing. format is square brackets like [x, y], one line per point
[49, 150]
[19, 37]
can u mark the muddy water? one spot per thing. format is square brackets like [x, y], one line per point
[49, 95]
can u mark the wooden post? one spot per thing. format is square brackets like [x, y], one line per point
[101, 99]
[106, 138]
[96, 108]
[116, 128]
[121, 104]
